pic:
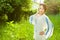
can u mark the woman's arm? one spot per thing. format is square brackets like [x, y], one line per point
[50, 28]
[32, 20]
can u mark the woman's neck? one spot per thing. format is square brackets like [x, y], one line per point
[41, 14]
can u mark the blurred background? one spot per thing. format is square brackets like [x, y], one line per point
[14, 18]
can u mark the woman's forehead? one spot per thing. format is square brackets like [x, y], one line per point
[41, 6]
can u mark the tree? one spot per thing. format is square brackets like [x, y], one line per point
[53, 7]
[14, 9]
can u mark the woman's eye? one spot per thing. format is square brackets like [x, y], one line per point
[39, 8]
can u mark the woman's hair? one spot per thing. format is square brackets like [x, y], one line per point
[44, 6]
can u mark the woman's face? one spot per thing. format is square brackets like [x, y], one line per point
[41, 9]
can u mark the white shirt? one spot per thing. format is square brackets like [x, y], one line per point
[41, 23]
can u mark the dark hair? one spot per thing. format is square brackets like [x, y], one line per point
[44, 6]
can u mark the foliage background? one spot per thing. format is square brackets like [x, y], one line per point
[14, 19]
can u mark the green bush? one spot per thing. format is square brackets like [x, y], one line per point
[16, 31]
[14, 9]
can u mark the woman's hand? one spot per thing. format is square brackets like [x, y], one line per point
[41, 33]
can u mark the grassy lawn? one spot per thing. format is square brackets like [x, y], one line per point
[24, 30]
[56, 21]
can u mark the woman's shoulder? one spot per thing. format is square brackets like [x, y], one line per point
[33, 15]
[46, 16]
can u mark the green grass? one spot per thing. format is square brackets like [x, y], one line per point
[24, 30]
[16, 31]
[56, 21]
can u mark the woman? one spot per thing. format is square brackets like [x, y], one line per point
[43, 28]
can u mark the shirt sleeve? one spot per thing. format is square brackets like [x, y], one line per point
[50, 28]
[32, 19]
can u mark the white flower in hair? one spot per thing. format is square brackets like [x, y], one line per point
[39, 1]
